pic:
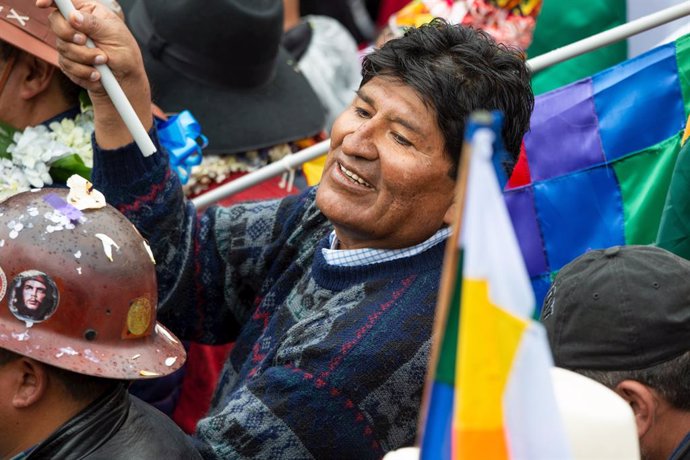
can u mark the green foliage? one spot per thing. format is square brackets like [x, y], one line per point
[6, 133]
[62, 169]
[84, 101]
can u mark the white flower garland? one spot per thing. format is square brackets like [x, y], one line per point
[36, 148]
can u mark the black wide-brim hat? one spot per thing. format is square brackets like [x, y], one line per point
[222, 60]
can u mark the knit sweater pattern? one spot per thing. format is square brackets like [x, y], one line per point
[329, 362]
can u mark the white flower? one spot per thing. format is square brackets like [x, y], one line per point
[36, 148]
[76, 134]
[39, 175]
[12, 179]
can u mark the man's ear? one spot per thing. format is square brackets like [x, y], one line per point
[36, 76]
[31, 380]
[643, 402]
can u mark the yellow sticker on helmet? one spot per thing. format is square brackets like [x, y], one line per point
[139, 316]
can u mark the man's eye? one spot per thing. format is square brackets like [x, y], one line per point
[401, 140]
[361, 112]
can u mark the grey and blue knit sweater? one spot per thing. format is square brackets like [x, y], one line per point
[329, 362]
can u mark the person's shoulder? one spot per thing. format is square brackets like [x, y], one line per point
[148, 433]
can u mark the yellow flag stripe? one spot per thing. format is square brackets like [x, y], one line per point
[489, 338]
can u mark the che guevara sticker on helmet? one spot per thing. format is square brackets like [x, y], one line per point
[33, 296]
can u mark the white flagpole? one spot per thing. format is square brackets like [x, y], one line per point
[609, 36]
[535, 64]
[117, 95]
[253, 178]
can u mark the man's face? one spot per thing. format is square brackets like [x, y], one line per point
[33, 293]
[386, 183]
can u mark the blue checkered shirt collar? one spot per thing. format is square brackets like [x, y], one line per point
[360, 257]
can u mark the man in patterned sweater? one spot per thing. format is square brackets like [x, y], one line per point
[330, 295]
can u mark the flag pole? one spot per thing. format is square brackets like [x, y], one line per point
[608, 37]
[116, 94]
[288, 163]
[448, 280]
[535, 64]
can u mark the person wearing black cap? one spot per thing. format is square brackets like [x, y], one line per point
[621, 316]
[329, 295]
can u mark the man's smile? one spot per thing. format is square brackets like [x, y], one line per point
[354, 177]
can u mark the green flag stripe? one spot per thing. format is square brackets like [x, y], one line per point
[674, 230]
[576, 20]
[644, 178]
[445, 370]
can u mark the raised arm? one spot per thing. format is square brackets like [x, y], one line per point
[116, 47]
[208, 270]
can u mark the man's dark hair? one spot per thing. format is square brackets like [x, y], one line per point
[457, 70]
[80, 387]
[669, 379]
[69, 90]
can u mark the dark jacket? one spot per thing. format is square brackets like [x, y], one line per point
[117, 426]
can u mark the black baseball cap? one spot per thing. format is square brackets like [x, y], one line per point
[621, 308]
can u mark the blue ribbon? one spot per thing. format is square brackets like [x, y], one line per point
[181, 136]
